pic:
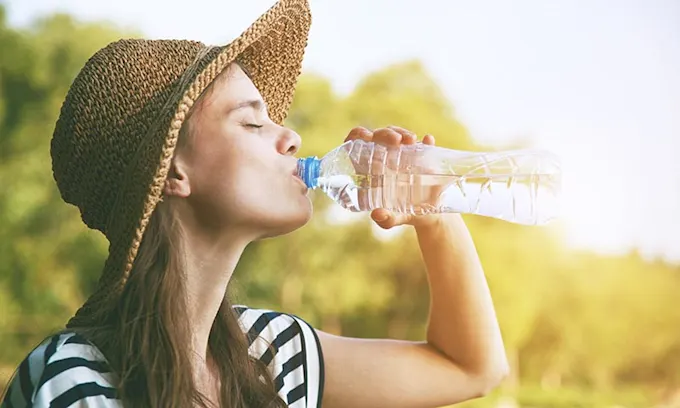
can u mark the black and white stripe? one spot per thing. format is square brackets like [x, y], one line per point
[290, 348]
[67, 371]
[63, 370]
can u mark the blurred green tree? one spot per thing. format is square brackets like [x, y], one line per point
[49, 259]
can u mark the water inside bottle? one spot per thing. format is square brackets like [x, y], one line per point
[527, 199]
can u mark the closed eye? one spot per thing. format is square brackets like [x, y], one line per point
[252, 125]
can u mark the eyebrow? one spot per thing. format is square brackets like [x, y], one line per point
[256, 104]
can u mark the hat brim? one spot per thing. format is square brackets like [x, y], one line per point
[271, 50]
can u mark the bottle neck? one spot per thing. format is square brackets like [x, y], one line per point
[309, 169]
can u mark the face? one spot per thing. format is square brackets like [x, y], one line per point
[237, 169]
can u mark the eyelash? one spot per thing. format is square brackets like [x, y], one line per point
[252, 125]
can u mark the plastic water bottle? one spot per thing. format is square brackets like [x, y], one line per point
[520, 186]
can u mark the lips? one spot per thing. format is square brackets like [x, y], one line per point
[295, 172]
[296, 177]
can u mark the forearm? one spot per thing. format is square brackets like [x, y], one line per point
[462, 323]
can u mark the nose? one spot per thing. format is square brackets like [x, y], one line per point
[289, 142]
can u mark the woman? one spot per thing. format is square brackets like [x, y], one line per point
[177, 154]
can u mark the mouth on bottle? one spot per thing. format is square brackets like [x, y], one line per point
[308, 171]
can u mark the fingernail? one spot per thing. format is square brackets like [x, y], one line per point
[382, 218]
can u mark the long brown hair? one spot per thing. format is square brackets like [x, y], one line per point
[146, 338]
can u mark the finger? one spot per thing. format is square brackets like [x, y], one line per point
[407, 137]
[359, 132]
[428, 140]
[387, 219]
[387, 137]
[383, 217]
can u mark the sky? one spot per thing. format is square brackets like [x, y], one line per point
[597, 82]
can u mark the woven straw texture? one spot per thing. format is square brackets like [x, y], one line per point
[118, 128]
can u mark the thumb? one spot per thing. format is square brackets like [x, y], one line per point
[387, 219]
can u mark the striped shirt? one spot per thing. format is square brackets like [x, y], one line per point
[66, 370]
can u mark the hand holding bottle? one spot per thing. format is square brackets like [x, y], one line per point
[388, 162]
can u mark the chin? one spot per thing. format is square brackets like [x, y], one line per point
[286, 225]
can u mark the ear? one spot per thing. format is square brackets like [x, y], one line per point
[177, 183]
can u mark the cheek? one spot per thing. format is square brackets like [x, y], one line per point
[262, 196]
[238, 182]
[215, 176]
[248, 186]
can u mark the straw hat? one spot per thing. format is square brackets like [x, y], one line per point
[118, 128]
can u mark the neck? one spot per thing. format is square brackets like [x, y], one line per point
[210, 263]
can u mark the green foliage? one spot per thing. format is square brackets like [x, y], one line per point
[49, 259]
[580, 327]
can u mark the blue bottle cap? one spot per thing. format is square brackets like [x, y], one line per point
[308, 170]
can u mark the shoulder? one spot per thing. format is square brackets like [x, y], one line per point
[65, 370]
[289, 346]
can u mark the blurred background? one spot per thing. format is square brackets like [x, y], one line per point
[588, 305]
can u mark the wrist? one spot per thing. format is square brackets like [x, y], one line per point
[447, 233]
[436, 222]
